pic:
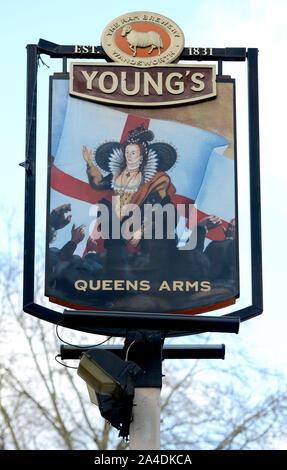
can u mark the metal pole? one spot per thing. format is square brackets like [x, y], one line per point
[138, 320]
[254, 152]
[170, 351]
[30, 181]
[145, 427]
[145, 349]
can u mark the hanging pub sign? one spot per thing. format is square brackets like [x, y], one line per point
[142, 177]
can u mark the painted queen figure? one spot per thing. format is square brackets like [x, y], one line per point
[135, 172]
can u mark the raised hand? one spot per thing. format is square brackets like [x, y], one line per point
[57, 216]
[91, 244]
[230, 231]
[78, 233]
[210, 222]
[87, 154]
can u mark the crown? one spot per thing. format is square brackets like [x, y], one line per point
[140, 134]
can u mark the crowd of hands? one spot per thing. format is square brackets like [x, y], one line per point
[59, 219]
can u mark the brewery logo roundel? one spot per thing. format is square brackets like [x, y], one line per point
[143, 39]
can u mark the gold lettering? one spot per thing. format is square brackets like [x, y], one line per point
[195, 78]
[115, 82]
[89, 78]
[134, 285]
[191, 285]
[136, 88]
[205, 286]
[92, 287]
[81, 285]
[177, 285]
[119, 284]
[107, 285]
[178, 86]
[164, 285]
[144, 285]
[148, 80]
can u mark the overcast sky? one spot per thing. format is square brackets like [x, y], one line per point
[214, 23]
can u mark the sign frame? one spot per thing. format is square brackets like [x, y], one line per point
[97, 321]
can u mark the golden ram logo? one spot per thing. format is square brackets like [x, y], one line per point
[143, 39]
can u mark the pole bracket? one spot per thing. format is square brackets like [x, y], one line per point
[26, 165]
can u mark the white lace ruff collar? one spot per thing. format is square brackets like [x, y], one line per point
[150, 168]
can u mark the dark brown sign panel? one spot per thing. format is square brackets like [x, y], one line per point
[142, 199]
[164, 85]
